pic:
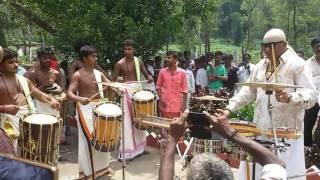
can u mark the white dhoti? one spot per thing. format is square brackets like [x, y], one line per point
[134, 139]
[45, 108]
[293, 157]
[10, 123]
[100, 159]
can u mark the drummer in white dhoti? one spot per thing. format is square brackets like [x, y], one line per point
[16, 92]
[289, 104]
[129, 67]
[86, 87]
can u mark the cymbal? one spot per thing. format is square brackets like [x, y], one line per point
[268, 86]
[210, 98]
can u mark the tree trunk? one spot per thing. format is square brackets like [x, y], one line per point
[294, 22]
[31, 16]
[288, 23]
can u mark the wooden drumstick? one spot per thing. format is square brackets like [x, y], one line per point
[274, 63]
[95, 94]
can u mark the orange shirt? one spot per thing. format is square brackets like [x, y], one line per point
[172, 85]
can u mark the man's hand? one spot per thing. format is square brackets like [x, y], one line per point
[9, 109]
[282, 96]
[220, 123]
[84, 100]
[178, 126]
[54, 104]
[150, 79]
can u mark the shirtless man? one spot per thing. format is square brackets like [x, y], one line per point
[42, 74]
[15, 91]
[135, 140]
[125, 67]
[85, 88]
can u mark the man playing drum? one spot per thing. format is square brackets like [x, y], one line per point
[129, 67]
[288, 104]
[16, 91]
[86, 87]
[45, 78]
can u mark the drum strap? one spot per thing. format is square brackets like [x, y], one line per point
[24, 83]
[137, 65]
[83, 124]
[97, 75]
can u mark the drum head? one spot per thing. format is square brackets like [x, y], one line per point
[40, 119]
[108, 110]
[143, 95]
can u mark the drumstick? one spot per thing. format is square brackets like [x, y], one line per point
[144, 81]
[274, 64]
[95, 94]
[19, 104]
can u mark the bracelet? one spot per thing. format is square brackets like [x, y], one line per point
[230, 138]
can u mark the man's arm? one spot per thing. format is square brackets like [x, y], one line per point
[73, 86]
[184, 87]
[177, 129]
[59, 79]
[220, 124]
[36, 93]
[145, 72]
[116, 72]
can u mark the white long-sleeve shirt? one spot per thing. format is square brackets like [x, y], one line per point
[313, 64]
[191, 81]
[202, 77]
[291, 70]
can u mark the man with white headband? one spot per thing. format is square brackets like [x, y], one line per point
[288, 104]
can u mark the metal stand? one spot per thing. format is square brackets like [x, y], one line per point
[123, 163]
[270, 107]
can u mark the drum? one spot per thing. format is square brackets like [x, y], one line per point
[107, 125]
[39, 138]
[245, 128]
[144, 103]
[283, 132]
[205, 145]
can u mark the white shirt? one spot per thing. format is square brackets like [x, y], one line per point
[191, 83]
[273, 172]
[244, 73]
[150, 69]
[291, 70]
[202, 77]
[315, 67]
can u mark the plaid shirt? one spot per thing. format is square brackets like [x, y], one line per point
[6, 145]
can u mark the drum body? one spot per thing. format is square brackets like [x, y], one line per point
[144, 103]
[206, 145]
[39, 138]
[245, 128]
[285, 133]
[107, 126]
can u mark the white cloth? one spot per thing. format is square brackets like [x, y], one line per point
[202, 77]
[273, 172]
[21, 71]
[134, 139]
[45, 108]
[315, 68]
[100, 159]
[191, 81]
[291, 70]
[150, 70]
[244, 72]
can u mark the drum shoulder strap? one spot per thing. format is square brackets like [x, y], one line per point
[25, 87]
[97, 75]
[137, 66]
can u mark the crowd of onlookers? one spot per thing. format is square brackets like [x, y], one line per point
[213, 70]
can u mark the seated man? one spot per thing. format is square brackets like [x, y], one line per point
[206, 166]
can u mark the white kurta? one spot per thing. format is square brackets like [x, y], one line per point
[291, 70]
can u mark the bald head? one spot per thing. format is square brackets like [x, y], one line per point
[274, 36]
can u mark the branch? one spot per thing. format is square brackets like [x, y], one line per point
[31, 16]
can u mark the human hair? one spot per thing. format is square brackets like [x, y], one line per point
[129, 42]
[44, 51]
[246, 54]
[315, 41]
[207, 166]
[78, 45]
[85, 51]
[8, 54]
[218, 53]
[173, 54]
